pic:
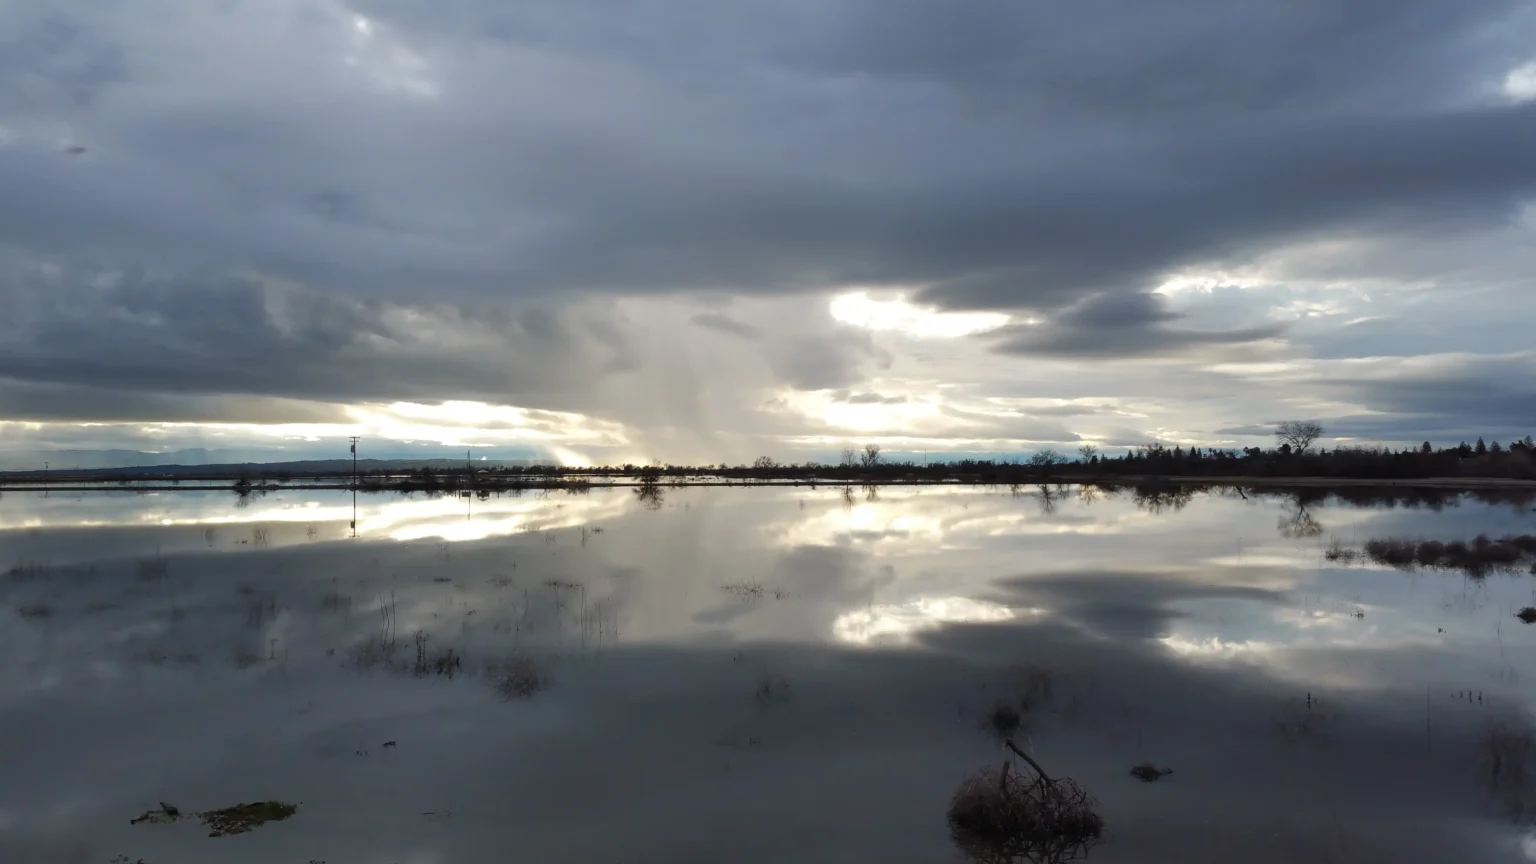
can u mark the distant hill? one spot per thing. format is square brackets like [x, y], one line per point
[298, 468]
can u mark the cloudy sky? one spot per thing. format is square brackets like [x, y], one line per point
[704, 230]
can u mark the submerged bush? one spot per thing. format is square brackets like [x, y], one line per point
[1001, 815]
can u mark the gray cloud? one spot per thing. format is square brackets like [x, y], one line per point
[725, 324]
[237, 335]
[1443, 394]
[870, 399]
[1333, 132]
[455, 201]
[825, 363]
[1117, 325]
[36, 402]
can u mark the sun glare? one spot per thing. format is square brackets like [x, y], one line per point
[858, 309]
[901, 623]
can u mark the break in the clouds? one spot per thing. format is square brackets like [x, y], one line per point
[701, 230]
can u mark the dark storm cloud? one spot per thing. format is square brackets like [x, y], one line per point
[1117, 325]
[1443, 399]
[41, 402]
[1329, 118]
[201, 338]
[1456, 397]
[509, 161]
[1118, 58]
[1129, 605]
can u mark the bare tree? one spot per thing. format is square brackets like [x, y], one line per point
[1087, 452]
[1046, 458]
[764, 463]
[850, 457]
[871, 456]
[1299, 434]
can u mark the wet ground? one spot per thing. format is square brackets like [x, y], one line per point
[720, 674]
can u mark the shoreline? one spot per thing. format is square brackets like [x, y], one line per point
[579, 483]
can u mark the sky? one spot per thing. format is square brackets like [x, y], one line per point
[698, 231]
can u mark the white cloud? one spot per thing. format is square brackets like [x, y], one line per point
[1520, 83]
[902, 623]
[908, 319]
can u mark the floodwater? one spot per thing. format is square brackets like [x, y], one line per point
[751, 675]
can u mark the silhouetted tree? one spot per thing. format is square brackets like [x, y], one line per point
[871, 457]
[1299, 434]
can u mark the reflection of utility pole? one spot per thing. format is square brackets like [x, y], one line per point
[354, 439]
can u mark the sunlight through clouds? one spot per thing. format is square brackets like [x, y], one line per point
[920, 322]
[1520, 84]
[386, 61]
[902, 623]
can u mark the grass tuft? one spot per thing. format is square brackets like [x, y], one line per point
[516, 676]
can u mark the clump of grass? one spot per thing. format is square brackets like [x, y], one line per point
[1003, 719]
[27, 571]
[1478, 558]
[744, 590]
[1506, 748]
[1003, 815]
[1036, 686]
[771, 689]
[446, 662]
[245, 658]
[225, 822]
[164, 814]
[1146, 772]
[336, 602]
[242, 818]
[34, 611]
[1338, 553]
[516, 676]
[153, 569]
[1401, 554]
[373, 651]
[1527, 615]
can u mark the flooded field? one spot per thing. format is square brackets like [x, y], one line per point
[761, 674]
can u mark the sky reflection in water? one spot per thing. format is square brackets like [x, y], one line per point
[746, 674]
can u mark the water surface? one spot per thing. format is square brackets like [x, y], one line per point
[738, 674]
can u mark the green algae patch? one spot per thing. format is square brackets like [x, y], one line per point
[244, 817]
[229, 821]
[166, 813]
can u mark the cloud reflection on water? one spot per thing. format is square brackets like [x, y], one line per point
[1186, 635]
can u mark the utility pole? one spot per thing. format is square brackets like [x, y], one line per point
[354, 439]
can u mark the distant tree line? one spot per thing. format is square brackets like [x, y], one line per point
[1294, 455]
